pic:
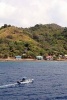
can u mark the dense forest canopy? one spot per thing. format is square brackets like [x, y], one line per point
[49, 39]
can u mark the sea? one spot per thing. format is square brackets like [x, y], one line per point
[50, 80]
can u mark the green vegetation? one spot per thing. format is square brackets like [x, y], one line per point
[49, 39]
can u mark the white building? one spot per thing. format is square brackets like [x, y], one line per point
[39, 57]
[65, 56]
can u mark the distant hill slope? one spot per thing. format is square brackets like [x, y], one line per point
[38, 40]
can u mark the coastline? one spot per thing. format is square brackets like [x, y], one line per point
[16, 60]
[21, 60]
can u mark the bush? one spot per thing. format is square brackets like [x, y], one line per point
[9, 37]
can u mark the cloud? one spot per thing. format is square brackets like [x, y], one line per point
[26, 13]
[58, 13]
[6, 10]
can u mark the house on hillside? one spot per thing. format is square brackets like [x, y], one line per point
[39, 57]
[60, 57]
[65, 56]
[18, 57]
[49, 57]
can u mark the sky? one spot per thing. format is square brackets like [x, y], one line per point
[27, 13]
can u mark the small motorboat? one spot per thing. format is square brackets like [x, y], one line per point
[25, 81]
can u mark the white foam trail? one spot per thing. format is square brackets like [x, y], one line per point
[8, 85]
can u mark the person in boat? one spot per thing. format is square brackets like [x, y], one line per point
[23, 79]
[19, 82]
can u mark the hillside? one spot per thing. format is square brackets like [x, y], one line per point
[49, 39]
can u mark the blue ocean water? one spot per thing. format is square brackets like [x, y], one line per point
[50, 80]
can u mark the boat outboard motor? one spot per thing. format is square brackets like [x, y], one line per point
[18, 82]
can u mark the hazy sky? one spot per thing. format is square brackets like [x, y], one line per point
[26, 13]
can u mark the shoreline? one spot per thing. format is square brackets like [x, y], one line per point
[21, 60]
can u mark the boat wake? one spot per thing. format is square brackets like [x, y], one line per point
[8, 85]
